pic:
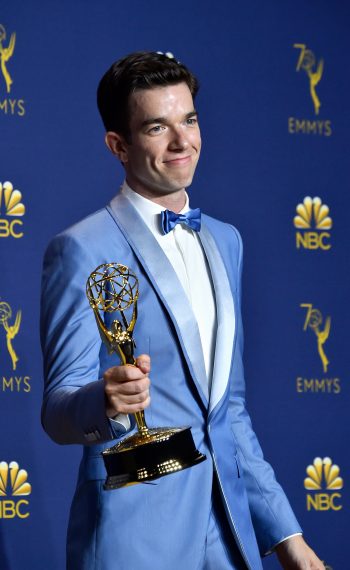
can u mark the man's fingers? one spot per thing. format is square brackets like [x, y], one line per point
[143, 362]
[129, 388]
[134, 399]
[121, 374]
[128, 373]
[121, 407]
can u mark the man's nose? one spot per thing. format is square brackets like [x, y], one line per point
[178, 140]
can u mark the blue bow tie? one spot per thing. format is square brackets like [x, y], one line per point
[192, 219]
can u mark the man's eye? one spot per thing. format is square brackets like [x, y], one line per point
[191, 121]
[156, 129]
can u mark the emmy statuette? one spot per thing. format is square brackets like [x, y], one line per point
[149, 453]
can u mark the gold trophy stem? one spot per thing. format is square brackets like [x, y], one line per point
[141, 423]
[129, 360]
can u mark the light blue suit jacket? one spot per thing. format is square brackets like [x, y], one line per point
[155, 526]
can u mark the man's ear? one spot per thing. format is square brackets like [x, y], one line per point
[117, 145]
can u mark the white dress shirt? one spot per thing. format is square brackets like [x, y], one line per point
[185, 253]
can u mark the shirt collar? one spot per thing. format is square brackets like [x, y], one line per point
[148, 210]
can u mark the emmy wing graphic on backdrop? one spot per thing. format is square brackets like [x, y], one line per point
[5, 54]
[315, 123]
[307, 62]
[314, 320]
[11, 104]
[149, 453]
[11, 330]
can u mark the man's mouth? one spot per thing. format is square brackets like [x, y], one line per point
[179, 161]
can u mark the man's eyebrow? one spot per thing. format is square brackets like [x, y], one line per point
[154, 120]
[193, 113]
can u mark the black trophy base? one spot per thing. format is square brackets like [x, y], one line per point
[145, 457]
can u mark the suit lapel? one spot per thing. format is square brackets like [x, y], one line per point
[166, 283]
[225, 315]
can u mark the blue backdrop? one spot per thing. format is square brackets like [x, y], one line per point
[274, 115]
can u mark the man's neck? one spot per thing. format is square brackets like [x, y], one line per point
[175, 201]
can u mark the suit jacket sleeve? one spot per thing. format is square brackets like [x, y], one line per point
[271, 512]
[73, 408]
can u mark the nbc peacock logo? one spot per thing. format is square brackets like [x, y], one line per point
[12, 207]
[13, 483]
[313, 215]
[323, 475]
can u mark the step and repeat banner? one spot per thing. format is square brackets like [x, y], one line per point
[274, 113]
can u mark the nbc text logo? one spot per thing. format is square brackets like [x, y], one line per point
[12, 207]
[312, 215]
[13, 482]
[323, 475]
[9, 105]
[9, 328]
[313, 70]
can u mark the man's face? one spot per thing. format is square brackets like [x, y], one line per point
[164, 146]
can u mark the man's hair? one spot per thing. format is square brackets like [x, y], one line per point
[139, 70]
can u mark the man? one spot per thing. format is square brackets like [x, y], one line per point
[229, 510]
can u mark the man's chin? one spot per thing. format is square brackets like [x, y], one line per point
[179, 184]
[172, 188]
[162, 187]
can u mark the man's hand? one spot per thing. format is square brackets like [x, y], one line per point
[295, 554]
[127, 387]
